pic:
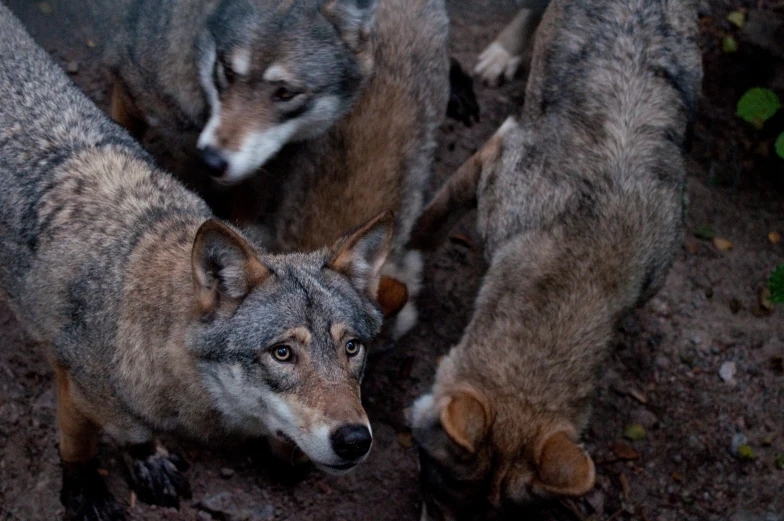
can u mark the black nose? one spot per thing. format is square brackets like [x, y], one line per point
[214, 160]
[351, 442]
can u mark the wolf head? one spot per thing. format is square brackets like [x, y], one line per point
[281, 342]
[278, 71]
[473, 465]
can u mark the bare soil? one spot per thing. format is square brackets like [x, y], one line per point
[663, 371]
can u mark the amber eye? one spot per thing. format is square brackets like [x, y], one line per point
[282, 353]
[284, 94]
[353, 347]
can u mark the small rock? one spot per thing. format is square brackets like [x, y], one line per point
[634, 432]
[662, 362]
[72, 67]
[722, 244]
[262, 513]
[727, 371]
[221, 505]
[774, 237]
[645, 418]
[226, 473]
[597, 500]
[737, 440]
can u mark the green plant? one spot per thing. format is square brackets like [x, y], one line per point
[757, 106]
[777, 285]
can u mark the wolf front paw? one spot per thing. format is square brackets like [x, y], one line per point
[85, 497]
[495, 64]
[156, 476]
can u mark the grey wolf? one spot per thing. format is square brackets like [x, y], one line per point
[155, 316]
[236, 80]
[378, 157]
[581, 209]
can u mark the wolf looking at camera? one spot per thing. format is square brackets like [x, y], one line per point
[155, 316]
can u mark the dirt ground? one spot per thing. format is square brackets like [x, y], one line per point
[663, 372]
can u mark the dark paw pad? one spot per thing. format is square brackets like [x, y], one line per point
[157, 477]
[462, 100]
[85, 497]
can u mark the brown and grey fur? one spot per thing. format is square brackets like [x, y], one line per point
[155, 316]
[379, 157]
[203, 76]
[581, 209]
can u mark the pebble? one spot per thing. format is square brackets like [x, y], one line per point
[737, 440]
[644, 417]
[226, 473]
[72, 67]
[727, 371]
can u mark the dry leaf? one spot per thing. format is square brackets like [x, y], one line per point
[623, 451]
[722, 244]
[405, 439]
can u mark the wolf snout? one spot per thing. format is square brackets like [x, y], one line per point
[351, 442]
[214, 160]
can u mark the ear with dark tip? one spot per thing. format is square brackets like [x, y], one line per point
[225, 268]
[360, 255]
[563, 467]
[354, 19]
[465, 417]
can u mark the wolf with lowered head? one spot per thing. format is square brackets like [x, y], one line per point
[581, 209]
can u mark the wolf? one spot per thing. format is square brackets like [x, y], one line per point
[155, 316]
[503, 57]
[236, 80]
[581, 208]
[378, 157]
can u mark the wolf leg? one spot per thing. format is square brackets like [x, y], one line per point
[156, 475]
[124, 112]
[457, 196]
[84, 494]
[501, 59]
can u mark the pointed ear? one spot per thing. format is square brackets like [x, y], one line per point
[563, 467]
[465, 417]
[360, 255]
[225, 268]
[392, 296]
[354, 19]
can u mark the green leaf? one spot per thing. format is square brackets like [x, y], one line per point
[634, 432]
[780, 462]
[746, 452]
[779, 145]
[705, 232]
[777, 285]
[737, 19]
[758, 105]
[729, 44]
